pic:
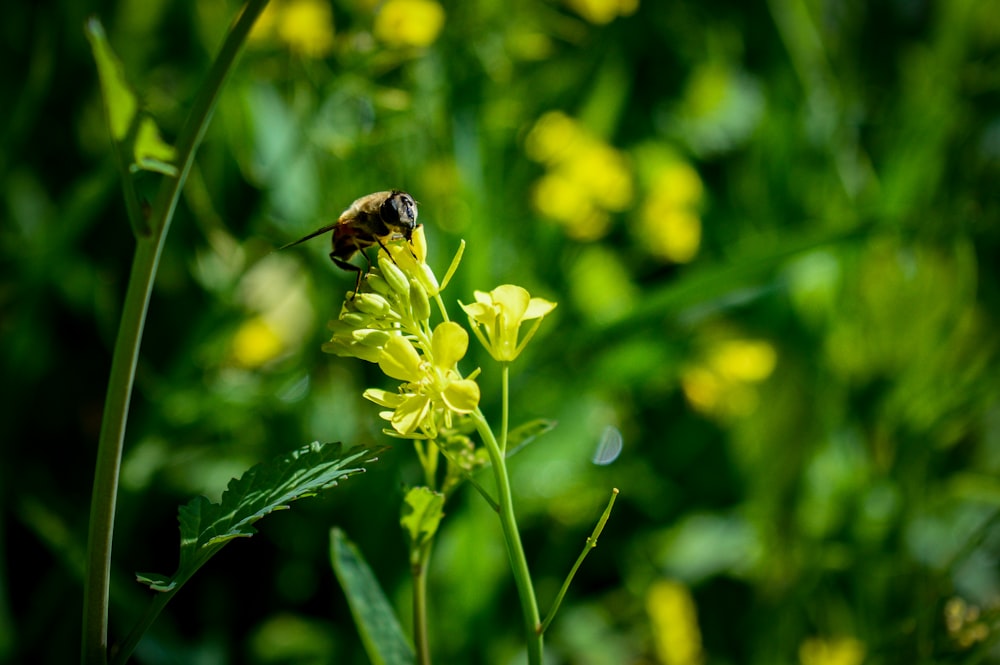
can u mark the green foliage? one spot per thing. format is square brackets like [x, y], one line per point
[380, 632]
[206, 526]
[423, 509]
[773, 247]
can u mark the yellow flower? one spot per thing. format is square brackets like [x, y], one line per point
[674, 620]
[669, 217]
[723, 383]
[586, 179]
[496, 319]
[307, 27]
[603, 11]
[836, 651]
[409, 23]
[431, 383]
[256, 343]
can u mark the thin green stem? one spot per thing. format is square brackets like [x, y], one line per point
[419, 573]
[505, 405]
[589, 545]
[123, 651]
[94, 643]
[512, 539]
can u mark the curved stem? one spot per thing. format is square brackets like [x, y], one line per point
[94, 641]
[512, 539]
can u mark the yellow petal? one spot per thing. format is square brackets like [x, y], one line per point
[449, 343]
[461, 396]
[513, 300]
[537, 308]
[408, 415]
[400, 360]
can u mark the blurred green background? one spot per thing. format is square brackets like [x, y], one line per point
[773, 230]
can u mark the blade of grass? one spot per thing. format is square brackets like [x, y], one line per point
[94, 645]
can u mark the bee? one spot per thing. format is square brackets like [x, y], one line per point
[372, 219]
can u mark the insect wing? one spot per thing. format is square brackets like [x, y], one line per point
[317, 232]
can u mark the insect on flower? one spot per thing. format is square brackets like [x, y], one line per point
[370, 220]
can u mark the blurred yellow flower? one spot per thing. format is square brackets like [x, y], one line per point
[836, 651]
[722, 384]
[256, 343]
[603, 11]
[674, 619]
[669, 218]
[409, 23]
[306, 26]
[585, 181]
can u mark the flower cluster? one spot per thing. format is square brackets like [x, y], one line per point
[388, 322]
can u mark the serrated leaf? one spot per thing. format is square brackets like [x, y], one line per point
[526, 433]
[119, 99]
[380, 632]
[206, 526]
[423, 509]
[151, 152]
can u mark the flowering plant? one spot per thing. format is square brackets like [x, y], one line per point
[388, 322]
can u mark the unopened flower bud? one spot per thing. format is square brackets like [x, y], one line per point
[378, 284]
[372, 303]
[371, 337]
[420, 304]
[393, 275]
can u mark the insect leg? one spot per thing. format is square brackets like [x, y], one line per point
[350, 267]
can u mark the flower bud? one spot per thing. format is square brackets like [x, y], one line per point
[378, 284]
[354, 320]
[372, 303]
[371, 337]
[393, 275]
[420, 305]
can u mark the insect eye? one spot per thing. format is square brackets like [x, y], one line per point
[400, 208]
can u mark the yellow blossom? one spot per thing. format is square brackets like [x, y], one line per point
[669, 218]
[256, 343]
[586, 179]
[307, 27]
[603, 11]
[674, 620]
[724, 382]
[409, 23]
[496, 319]
[836, 651]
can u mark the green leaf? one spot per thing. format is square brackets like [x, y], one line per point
[380, 632]
[206, 527]
[152, 153]
[119, 99]
[527, 432]
[423, 509]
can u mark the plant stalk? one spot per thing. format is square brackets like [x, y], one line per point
[419, 572]
[94, 641]
[512, 539]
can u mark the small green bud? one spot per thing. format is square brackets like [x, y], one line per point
[372, 303]
[378, 284]
[420, 304]
[355, 320]
[371, 337]
[393, 275]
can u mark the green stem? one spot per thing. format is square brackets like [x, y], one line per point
[589, 545]
[505, 405]
[419, 573]
[94, 646]
[512, 539]
[122, 651]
